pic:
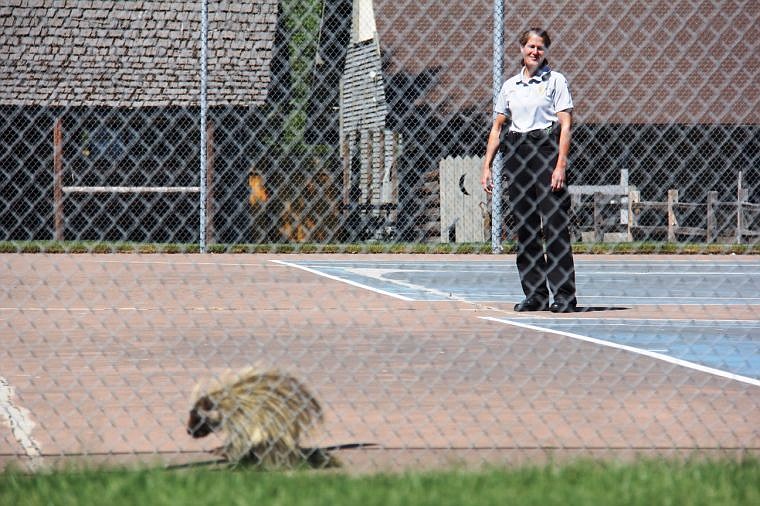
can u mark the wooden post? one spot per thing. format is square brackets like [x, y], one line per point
[58, 179]
[346, 168]
[370, 168]
[672, 221]
[396, 142]
[598, 228]
[634, 197]
[381, 189]
[742, 196]
[624, 199]
[712, 200]
[209, 182]
[575, 202]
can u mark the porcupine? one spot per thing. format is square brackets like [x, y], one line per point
[262, 415]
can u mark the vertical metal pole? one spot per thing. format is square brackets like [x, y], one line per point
[498, 65]
[58, 179]
[204, 107]
[209, 202]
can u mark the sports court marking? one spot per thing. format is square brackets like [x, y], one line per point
[20, 423]
[720, 344]
[658, 354]
[342, 279]
[608, 282]
[726, 348]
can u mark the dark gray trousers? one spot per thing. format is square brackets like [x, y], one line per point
[529, 160]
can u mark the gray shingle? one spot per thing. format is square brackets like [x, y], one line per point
[57, 52]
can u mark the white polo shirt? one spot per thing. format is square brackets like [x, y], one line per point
[534, 103]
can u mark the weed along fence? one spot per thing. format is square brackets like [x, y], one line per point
[600, 213]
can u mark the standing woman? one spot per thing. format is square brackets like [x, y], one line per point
[538, 103]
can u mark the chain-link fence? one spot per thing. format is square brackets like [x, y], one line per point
[328, 121]
[360, 125]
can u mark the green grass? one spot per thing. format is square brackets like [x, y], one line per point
[647, 482]
[622, 248]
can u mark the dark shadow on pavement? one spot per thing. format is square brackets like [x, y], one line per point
[588, 309]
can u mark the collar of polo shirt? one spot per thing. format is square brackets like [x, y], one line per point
[542, 75]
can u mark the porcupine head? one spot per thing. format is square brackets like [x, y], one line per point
[261, 414]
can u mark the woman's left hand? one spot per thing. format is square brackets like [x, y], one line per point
[558, 179]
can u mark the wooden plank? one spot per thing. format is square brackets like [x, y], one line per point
[711, 232]
[590, 189]
[383, 196]
[598, 226]
[395, 144]
[685, 206]
[130, 189]
[634, 196]
[690, 231]
[346, 147]
[672, 221]
[650, 204]
[650, 228]
[742, 195]
[447, 212]
[369, 168]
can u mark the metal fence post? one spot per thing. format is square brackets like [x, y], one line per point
[498, 65]
[203, 110]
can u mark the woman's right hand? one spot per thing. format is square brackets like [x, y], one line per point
[494, 138]
[487, 181]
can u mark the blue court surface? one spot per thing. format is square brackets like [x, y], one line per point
[716, 345]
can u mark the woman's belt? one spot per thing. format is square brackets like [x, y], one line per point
[539, 133]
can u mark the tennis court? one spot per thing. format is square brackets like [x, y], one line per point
[420, 355]
[607, 288]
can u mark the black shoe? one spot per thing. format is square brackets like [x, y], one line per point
[532, 304]
[563, 306]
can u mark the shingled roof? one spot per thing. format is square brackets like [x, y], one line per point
[133, 53]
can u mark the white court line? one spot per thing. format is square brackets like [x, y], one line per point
[20, 423]
[639, 351]
[374, 272]
[626, 321]
[347, 281]
[378, 274]
[670, 300]
[661, 273]
[578, 273]
[650, 297]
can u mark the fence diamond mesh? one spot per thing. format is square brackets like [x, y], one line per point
[138, 137]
